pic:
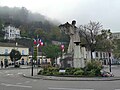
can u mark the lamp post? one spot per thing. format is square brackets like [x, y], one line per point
[109, 53]
[32, 62]
[109, 62]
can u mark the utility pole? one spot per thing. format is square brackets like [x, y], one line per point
[109, 62]
[32, 62]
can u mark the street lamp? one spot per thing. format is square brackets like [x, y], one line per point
[109, 62]
[32, 62]
[109, 53]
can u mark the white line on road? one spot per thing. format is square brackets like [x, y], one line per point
[67, 89]
[34, 80]
[6, 71]
[20, 73]
[27, 81]
[12, 85]
[9, 74]
[18, 83]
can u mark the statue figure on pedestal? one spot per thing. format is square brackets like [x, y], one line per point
[73, 33]
[74, 48]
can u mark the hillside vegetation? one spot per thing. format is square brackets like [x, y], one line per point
[31, 24]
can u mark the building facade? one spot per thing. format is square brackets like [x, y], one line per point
[116, 35]
[11, 33]
[102, 56]
[5, 49]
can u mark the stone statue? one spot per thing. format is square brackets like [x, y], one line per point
[73, 33]
[74, 48]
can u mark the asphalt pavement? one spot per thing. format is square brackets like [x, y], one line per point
[12, 79]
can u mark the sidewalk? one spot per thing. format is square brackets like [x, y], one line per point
[56, 78]
[12, 67]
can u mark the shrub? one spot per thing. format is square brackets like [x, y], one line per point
[61, 73]
[40, 72]
[93, 68]
[79, 73]
[69, 71]
[56, 73]
[91, 73]
[48, 71]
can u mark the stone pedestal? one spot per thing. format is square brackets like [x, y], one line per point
[78, 60]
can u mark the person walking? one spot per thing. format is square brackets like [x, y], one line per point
[1, 64]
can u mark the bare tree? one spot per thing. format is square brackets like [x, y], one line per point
[89, 32]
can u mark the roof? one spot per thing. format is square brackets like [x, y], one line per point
[11, 45]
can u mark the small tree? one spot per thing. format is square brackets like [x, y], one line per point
[116, 49]
[15, 55]
[105, 41]
[52, 51]
[89, 33]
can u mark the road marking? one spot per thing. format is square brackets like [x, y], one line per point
[6, 71]
[12, 85]
[34, 80]
[18, 83]
[27, 81]
[117, 89]
[67, 89]
[20, 73]
[9, 74]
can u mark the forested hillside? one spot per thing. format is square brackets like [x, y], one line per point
[31, 24]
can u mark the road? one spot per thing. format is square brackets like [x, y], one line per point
[13, 80]
[115, 70]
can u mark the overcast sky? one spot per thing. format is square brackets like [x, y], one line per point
[107, 12]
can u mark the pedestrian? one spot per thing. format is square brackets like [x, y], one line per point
[27, 62]
[1, 64]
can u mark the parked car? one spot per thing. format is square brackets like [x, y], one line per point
[17, 64]
[107, 74]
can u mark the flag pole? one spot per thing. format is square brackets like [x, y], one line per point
[32, 63]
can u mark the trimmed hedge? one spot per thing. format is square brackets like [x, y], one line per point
[92, 69]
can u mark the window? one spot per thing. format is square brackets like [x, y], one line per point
[100, 54]
[104, 55]
[23, 52]
[6, 51]
[96, 54]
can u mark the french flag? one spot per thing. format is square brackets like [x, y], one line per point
[62, 48]
[35, 42]
[40, 42]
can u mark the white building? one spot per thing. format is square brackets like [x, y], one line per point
[11, 33]
[102, 56]
[116, 35]
[5, 49]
